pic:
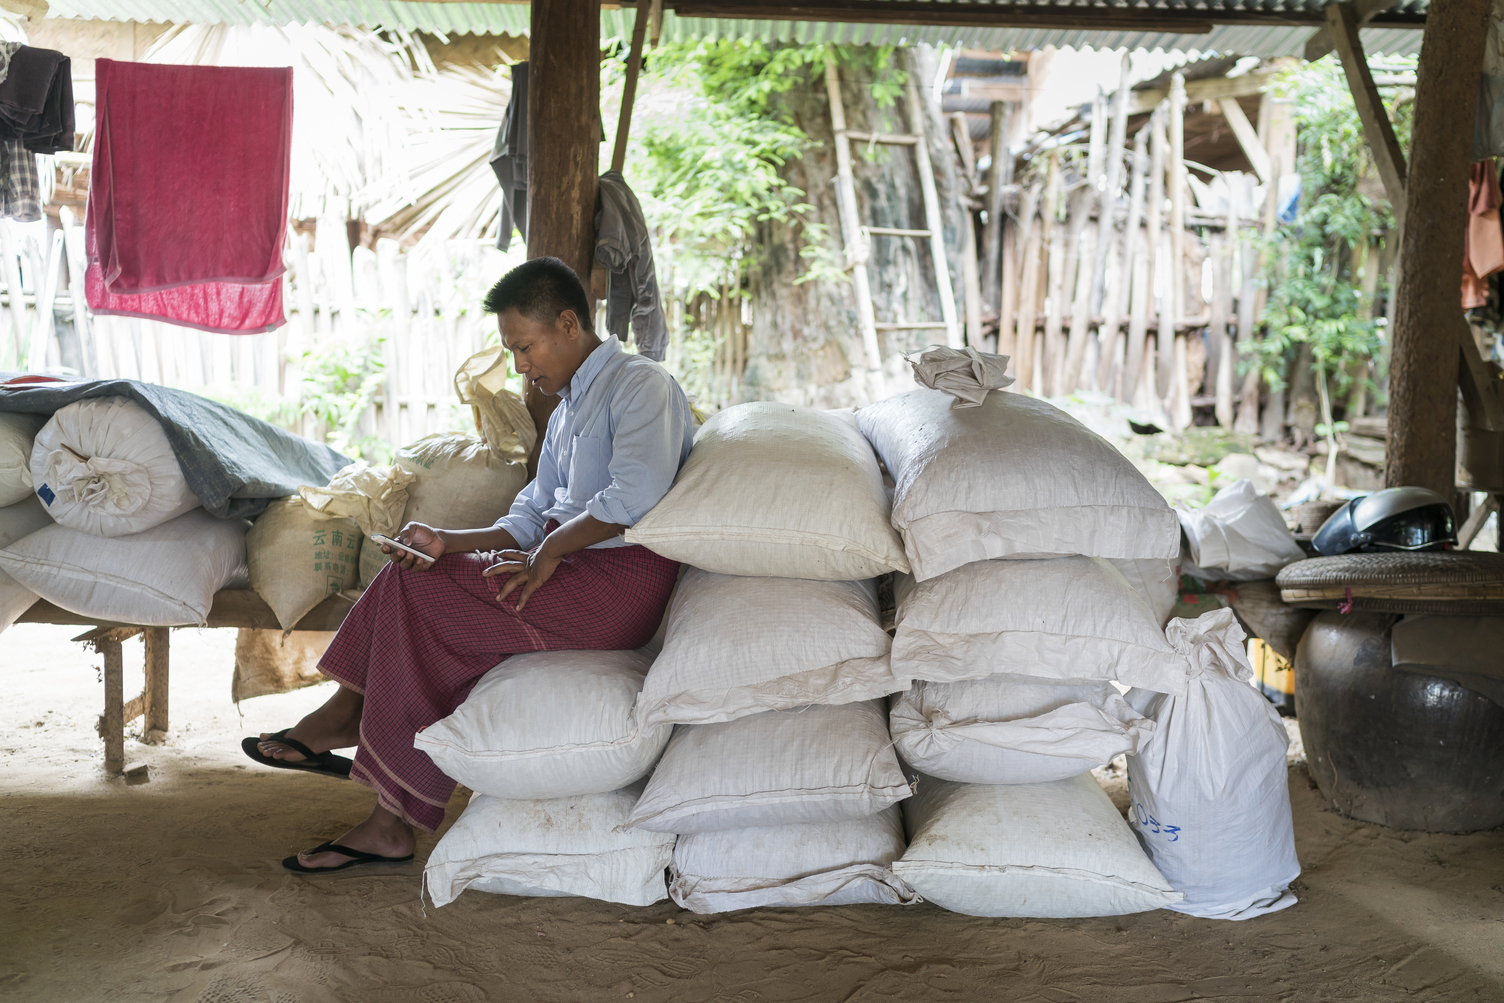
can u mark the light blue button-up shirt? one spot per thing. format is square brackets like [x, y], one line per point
[612, 448]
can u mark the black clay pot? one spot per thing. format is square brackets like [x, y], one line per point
[1396, 748]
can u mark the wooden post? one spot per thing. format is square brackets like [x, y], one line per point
[1342, 22]
[629, 88]
[11, 269]
[1028, 300]
[155, 641]
[851, 229]
[1112, 181]
[993, 238]
[1221, 310]
[112, 724]
[1424, 361]
[564, 129]
[1179, 404]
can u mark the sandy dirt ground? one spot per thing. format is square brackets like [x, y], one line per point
[172, 890]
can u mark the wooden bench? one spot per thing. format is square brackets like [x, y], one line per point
[232, 608]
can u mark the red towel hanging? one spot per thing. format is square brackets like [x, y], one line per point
[188, 194]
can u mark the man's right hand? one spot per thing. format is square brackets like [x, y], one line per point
[419, 537]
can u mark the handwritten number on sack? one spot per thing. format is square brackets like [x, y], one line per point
[1170, 832]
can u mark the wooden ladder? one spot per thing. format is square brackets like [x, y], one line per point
[857, 238]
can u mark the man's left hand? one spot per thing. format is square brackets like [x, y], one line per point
[528, 571]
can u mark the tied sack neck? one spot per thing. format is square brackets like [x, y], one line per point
[108, 486]
[964, 373]
[1212, 644]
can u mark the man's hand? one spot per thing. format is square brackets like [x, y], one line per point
[419, 537]
[529, 572]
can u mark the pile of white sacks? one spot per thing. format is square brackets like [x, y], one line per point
[781, 750]
[97, 517]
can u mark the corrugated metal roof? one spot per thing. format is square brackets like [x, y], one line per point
[512, 18]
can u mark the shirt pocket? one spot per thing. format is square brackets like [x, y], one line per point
[589, 467]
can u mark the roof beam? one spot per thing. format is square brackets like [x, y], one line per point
[1248, 138]
[1322, 42]
[1210, 89]
[1377, 129]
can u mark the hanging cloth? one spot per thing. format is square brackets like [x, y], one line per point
[623, 248]
[36, 100]
[188, 194]
[1483, 244]
[509, 161]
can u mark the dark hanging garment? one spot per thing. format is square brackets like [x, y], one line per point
[509, 161]
[623, 248]
[36, 100]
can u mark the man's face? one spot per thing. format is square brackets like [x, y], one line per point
[546, 354]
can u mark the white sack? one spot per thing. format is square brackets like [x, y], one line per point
[1012, 477]
[1157, 583]
[18, 433]
[1046, 851]
[781, 767]
[163, 577]
[1064, 618]
[1008, 729]
[1240, 535]
[103, 466]
[549, 724]
[739, 645]
[780, 491]
[297, 559]
[1211, 797]
[826, 863]
[550, 848]
[17, 522]
[459, 484]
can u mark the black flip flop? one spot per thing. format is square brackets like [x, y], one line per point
[357, 858]
[313, 762]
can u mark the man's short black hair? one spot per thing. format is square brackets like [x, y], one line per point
[541, 289]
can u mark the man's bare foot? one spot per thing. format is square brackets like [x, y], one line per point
[335, 725]
[382, 833]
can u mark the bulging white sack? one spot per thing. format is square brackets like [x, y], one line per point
[740, 645]
[1157, 583]
[459, 483]
[1240, 535]
[1067, 618]
[780, 491]
[1011, 477]
[1047, 851]
[163, 577]
[18, 433]
[1211, 796]
[103, 466]
[550, 848]
[781, 767]
[298, 559]
[1008, 729]
[825, 863]
[549, 724]
[16, 523]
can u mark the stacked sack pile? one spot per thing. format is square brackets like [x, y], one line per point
[1034, 575]
[100, 521]
[777, 784]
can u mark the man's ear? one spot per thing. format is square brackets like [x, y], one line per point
[569, 323]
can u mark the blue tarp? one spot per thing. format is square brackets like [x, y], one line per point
[235, 463]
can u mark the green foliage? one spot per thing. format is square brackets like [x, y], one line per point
[1315, 265]
[340, 380]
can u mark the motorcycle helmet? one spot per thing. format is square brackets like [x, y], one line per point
[1392, 519]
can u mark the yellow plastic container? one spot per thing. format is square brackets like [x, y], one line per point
[1274, 674]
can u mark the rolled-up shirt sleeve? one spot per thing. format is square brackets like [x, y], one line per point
[525, 520]
[646, 449]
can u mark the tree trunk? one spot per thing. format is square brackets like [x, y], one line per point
[1423, 365]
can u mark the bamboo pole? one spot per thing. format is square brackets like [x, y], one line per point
[629, 88]
[852, 237]
[1112, 181]
[1023, 330]
[1158, 240]
[1059, 236]
[11, 267]
[1221, 316]
[993, 285]
[1135, 260]
[1179, 405]
[1247, 419]
[934, 221]
[1068, 373]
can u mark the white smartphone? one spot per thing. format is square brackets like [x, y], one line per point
[379, 538]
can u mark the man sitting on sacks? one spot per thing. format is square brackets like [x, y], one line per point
[553, 574]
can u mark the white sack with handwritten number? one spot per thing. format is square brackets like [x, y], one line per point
[1211, 803]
